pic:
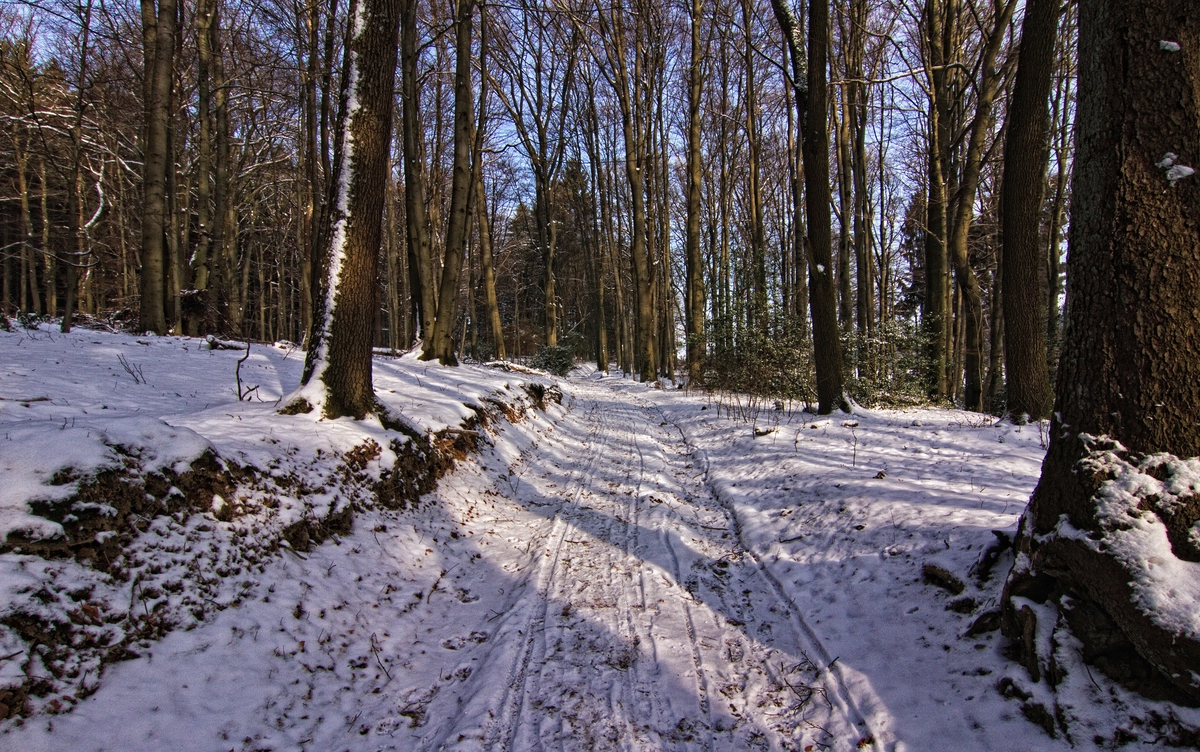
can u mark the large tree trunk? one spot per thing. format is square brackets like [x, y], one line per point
[420, 254]
[811, 104]
[337, 370]
[968, 282]
[154, 172]
[1025, 153]
[1130, 368]
[441, 345]
[697, 345]
[936, 313]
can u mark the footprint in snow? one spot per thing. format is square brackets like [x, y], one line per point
[455, 643]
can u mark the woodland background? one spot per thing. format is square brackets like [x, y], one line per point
[919, 97]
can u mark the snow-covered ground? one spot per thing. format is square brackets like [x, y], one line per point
[633, 569]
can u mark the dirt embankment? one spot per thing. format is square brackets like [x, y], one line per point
[145, 552]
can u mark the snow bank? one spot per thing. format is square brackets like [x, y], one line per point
[165, 497]
[1130, 511]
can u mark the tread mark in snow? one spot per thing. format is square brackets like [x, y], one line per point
[827, 666]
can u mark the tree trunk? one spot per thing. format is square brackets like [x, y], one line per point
[487, 268]
[415, 214]
[1130, 368]
[757, 318]
[75, 193]
[51, 268]
[1025, 154]
[936, 311]
[697, 345]
[224, 235]
[841, 131]
[337, 370]
[811, 104]
[154, 173]
[968, 283]
[30, 297]
[205, 12]
[635, 161]
[462, 184]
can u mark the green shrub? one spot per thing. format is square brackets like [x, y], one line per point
[556, 359]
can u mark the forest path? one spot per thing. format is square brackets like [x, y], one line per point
[640, 621]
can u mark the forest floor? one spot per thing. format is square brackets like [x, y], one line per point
[629, 568]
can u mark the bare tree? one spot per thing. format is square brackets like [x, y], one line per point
[1025, 153]
[1129, 378]
[441, 345]
[337, 370]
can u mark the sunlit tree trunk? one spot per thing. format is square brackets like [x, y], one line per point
[441, 346]
[1129, 380]
[337, 370]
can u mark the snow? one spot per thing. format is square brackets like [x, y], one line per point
[1165, 587]
[1179, 172]
[633, 568]
[1170, 160]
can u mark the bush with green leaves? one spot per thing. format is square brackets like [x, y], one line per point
[774, 365]
[889, 367]
[555, 359]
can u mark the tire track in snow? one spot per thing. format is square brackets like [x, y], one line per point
[517, 687]
[697, 660]
[502, 733]
[665, 641]
[843, 695]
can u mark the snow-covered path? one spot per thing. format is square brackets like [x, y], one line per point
[640, 621]
[633, 569]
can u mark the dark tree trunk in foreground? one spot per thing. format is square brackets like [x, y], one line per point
[154, 170]
[1130, 368]
[811, 103]
[339, 354]
[1025, 152]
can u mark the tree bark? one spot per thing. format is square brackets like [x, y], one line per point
[487, 268]
[154, 175]
[936, 312]
[205, 12]
[1025, 153]
[416, 216]
[441, 346]
[224, 242]
[1130, 368]
[812, 103]
[697, 346]
[964, 203]
[337, 370]
[613, 29]
[757, 315]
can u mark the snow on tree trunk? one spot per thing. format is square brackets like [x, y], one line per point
[337, 371]
[1108, 546]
